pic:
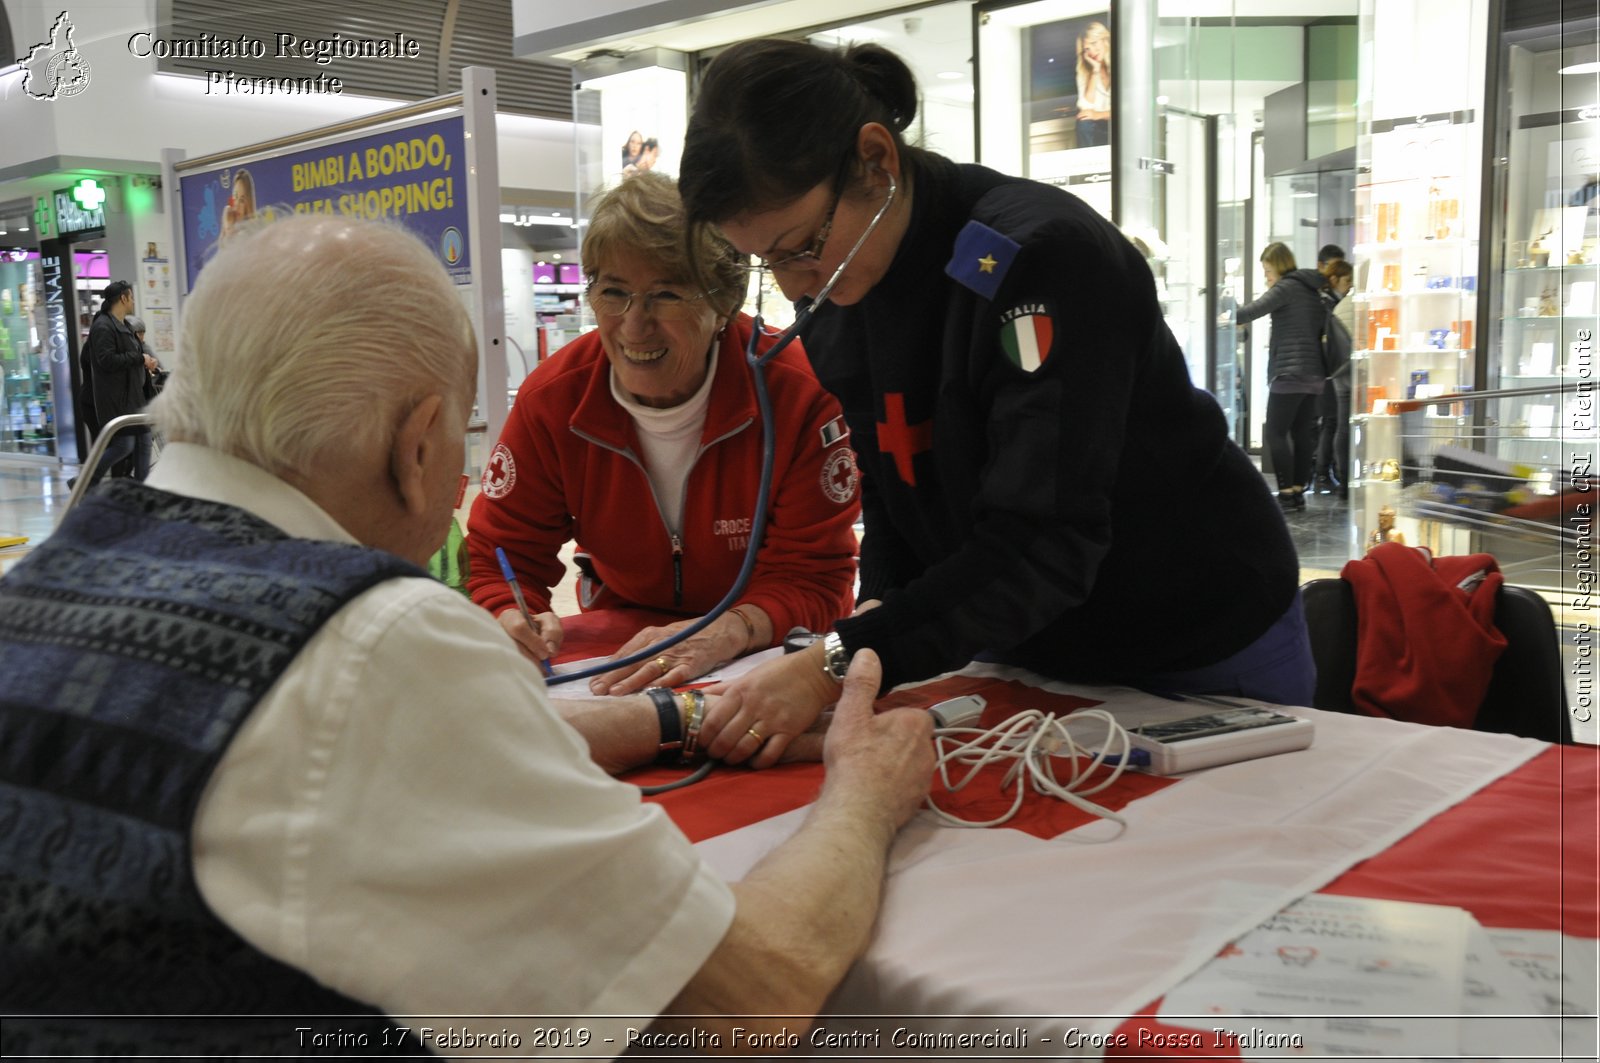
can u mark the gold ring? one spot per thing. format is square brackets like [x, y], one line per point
[753, 733]
[661, 663]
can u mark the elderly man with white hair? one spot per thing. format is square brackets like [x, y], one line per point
[256, 763]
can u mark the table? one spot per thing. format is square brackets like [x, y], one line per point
[1046, 918]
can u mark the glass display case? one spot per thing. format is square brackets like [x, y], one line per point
[1543, 307]
[27, 401]
[1545, 295]
[1415, 249]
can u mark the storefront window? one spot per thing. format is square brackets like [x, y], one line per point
[27, 401]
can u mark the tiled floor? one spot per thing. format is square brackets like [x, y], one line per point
[31, 498]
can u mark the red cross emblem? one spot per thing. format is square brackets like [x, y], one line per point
[839, 475]
[500, 474]
[903, 440]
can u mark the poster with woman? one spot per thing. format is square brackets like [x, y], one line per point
[1069, 64]
[1069, 104]
[640, 153]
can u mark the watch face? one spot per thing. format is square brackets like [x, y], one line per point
[796, 641]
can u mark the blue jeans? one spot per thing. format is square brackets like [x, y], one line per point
[135, 441]
[1276, 667]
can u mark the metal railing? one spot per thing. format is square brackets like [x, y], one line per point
[101, 443]
[1477, 461]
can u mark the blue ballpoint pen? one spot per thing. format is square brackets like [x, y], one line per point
[522, 603]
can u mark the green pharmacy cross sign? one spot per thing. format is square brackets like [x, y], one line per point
[88, 194]
[80, 209]
[44, 218]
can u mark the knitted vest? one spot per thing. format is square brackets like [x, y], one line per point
[133, 645]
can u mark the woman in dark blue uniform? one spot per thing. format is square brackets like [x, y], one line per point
[1042, 485]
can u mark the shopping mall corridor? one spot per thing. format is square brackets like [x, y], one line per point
[32, 497]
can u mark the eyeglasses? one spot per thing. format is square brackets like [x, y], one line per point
[663, 304]
[850, 256]
[813, 254]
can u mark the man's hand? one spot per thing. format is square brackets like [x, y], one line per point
[888, 755]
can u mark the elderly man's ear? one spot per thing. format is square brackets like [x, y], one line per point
[418, 444]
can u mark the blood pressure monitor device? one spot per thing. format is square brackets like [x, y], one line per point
[1219, 734]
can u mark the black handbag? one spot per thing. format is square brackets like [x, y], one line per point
[154, 382]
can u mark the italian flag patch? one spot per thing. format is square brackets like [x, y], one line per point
[1025, 334]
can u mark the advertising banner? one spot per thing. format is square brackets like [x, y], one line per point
[412, 174]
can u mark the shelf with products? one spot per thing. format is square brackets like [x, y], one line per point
[1546, 233]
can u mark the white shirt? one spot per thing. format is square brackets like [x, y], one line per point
[670, 441]
[405, 817]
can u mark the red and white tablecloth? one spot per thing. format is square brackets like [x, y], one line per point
[1057, 915]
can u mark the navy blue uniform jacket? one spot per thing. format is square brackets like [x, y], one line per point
[1041, 481]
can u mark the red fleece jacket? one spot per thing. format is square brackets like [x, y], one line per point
[1426, 644]
[567, 467]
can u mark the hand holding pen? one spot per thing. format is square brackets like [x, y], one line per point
[537, 636]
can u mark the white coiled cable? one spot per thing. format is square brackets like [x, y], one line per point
[1033, 741]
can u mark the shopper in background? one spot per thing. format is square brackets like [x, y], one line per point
[261, 768]
[1327, 255]
[116, 367]
[642, 441]
[1031, 445]
[1296, 373]
[1333, 434]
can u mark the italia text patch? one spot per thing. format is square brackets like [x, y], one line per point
[1026, 332]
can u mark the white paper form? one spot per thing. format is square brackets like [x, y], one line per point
[1335, 976]
[1501, 1016]
[1560, 973]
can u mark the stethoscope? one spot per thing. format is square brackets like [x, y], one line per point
[805, 310]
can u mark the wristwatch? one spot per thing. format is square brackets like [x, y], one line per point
[799, 639]
[835, 658]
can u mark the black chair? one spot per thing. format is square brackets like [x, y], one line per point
[1527, 693]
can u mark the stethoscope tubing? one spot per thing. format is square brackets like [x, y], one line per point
[758, 523]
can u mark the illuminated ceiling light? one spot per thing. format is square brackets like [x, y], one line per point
[1581, 68]
[952, 75]
[508, 218]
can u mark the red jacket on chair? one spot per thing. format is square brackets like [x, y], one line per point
[1426, 644]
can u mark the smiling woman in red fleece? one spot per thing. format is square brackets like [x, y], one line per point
[641, 441]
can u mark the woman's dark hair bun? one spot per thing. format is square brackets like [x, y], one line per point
[885, 77]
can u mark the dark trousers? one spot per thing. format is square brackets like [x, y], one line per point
[134, 441]
[1093, 132]
[1291, 437]
[1333, 433]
